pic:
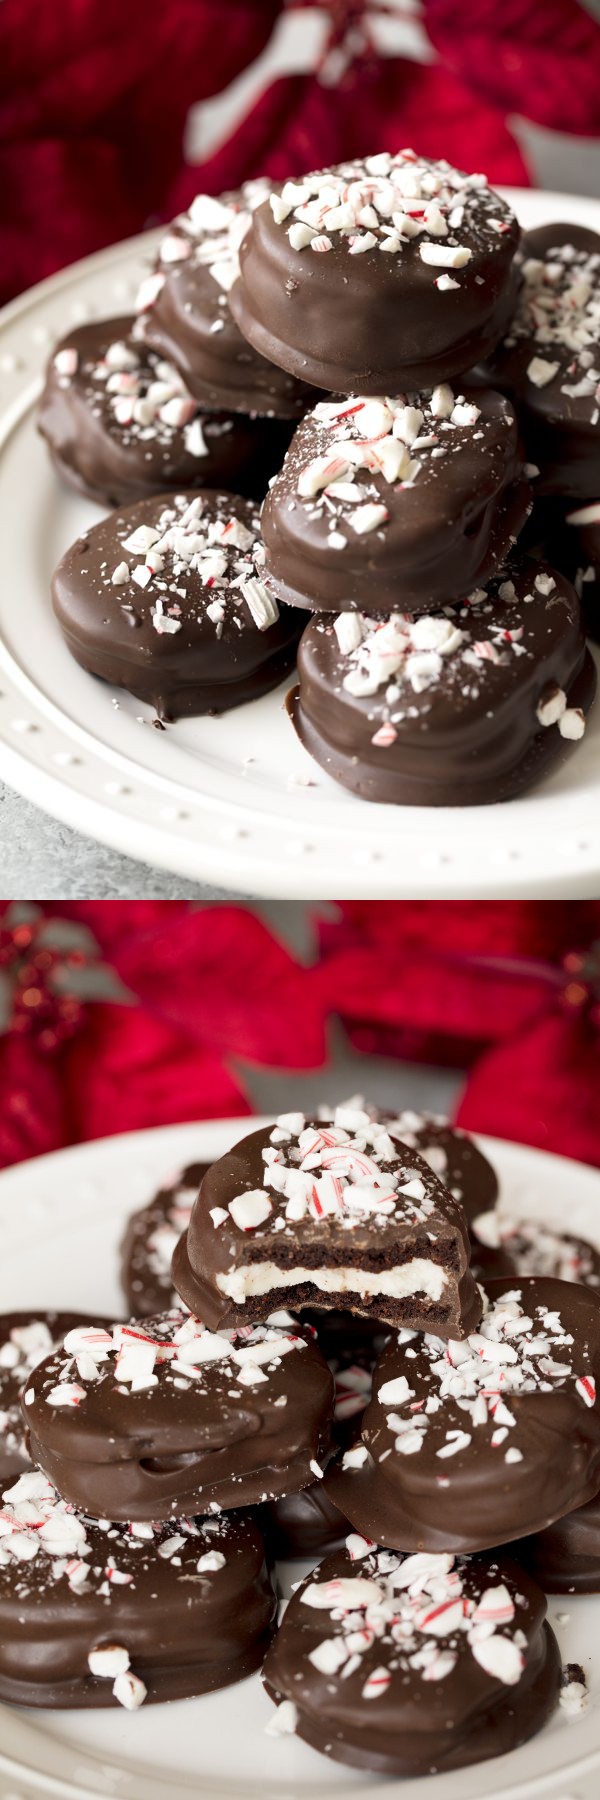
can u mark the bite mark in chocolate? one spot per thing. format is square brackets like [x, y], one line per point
[311, 1214]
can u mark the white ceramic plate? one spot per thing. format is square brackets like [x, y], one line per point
[61, 1219]
[226, 800]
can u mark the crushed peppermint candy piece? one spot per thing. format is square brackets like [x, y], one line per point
[408, 1619]
[540, 371]
[574, 1694]
[572, 723]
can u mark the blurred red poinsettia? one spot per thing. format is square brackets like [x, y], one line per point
[95, 101]
[122, 1014]
[511, 990]
[442, 979]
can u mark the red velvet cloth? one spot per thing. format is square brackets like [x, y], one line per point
[95, 95]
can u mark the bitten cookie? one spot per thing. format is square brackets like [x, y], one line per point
[307, 1214]
[25, 1339]
[150, 1239]
[549, 359]
[414, 1665]
[95, 1614]
[183, 310]
[161, 1418]
[467, 1445]
[382, 274]
[468, 706]
[121, 424]
[167, 599]
[396, 504]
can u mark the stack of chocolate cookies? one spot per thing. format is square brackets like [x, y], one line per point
[371, 348]
[442, 666]
[340, 1387]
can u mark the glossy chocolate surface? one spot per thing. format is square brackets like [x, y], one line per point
[122, 425]
[565, 1558]
[190, 1606]
[412, 1666]
[150, 1239]
[452, 1155]
[468, 1446]
[25, 1338]
[375, 311]
[396, 506]
[401, 1215]
[185, 315]
[160, 1418]
[550, 356]
[463, 708]
[199, 635]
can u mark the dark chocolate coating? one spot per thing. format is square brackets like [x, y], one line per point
[436, 1233]
[118, 463]
[454, 1156]
[531, 1247]
[472, 735]
[447, 531]
[203, 666]
[490, 1490]
[304, 1525]
[187, 1632]
[192, 1443]
[190, 322]
[584, 552]
[560, 428]
[412, 1721]
[150, 1240]
[308, 1523]
[565, 1558]
[372, 321]
[36, 1333]
[566, 534]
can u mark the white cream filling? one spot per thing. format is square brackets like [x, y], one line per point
[415, 1277]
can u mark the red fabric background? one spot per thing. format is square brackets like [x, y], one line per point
[509, 991]
[94, 98]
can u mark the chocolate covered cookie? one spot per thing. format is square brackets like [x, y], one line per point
[414, 1665]
[534, 1248]
[471, 1444]
[469, 705]
[582, 528]
[161, 1418]
[96, 1614]
[397, 504]
[549, 359]
[308, 1523]
[150, 1239]
[565, 1558]
[183, 310]
[306, 1214]
[25, 1339]
[452, 1155]
[392, 272]
[167, 599]
[121, 424]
